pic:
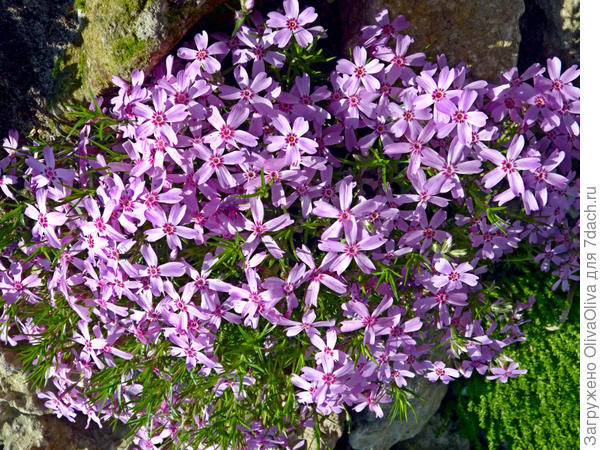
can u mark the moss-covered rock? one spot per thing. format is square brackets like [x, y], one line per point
[121, 35]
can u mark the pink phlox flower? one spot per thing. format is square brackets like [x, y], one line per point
[407, 116]
[227, 133]
[327, 354]
[181, 303]
[390, 253]
[191, 350]
[352, 249]
[559, 85]
[454, 164]
[307, 324]
[542, 179]
[13, 285]
[47, 172]
[377, 35]
[440, 298]
[216, 310]
[400, 372]
[397, 59]
[427, 190]
[90, 345]
[427, 230]
[304, 101]
[259, 228]
[45, 221]
[290, 139]
[510, 369]
[318, 276]
[345, 215]
[169, 228]
[509, 166]
[371, 322]
[158, 121]
[439, 371]
[372, 397]
[57, 405]
[329, 382]
[155, 272]
[100, 223]
[203, 57]
[415, 147]
[465, 120]
[287, 287]
[291, 24]
[453, 277]
[256, 51]
[5, 182]
[247, 93]
[11, 145]
[252, 300]
[185, 88]
[235, 384]
[360, 71]
[436, 92]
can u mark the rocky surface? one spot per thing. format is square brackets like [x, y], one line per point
[25, 424]
[483, 33]
[57, 52]
[550, 28]
[436, 434]
[369, 433]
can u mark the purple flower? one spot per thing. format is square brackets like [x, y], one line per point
[169, 227]
[202, 56]
[318, 276]
[45, 221]
[155, 272]
[371, 322]
[292, 24]
[226, 132]
[439, 371]
[215, 162]
[508, 166]
[460, 117]
[158, 120]
[360, 71]
[505, 372]
[453, 277]
[259, 228]
[352, 250]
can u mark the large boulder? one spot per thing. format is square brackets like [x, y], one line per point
[25, 424]
[483, 33]
[58, 52]
[550, 28]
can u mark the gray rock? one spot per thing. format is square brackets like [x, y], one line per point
[56, 53]
[483, 33]
[369, 433]
[550, 28]
[436, 435]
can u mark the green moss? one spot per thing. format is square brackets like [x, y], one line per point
[541, 408]
[79, 5]
[128, 48]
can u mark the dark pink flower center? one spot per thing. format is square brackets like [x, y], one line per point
[291, 139]
[459, 116]
[154, 271]
[226, 133]
[329, 378]
[453, 276]
[202, 54]
[508, 166]
[258, 228]
[215, 161]
[352, 249]
[292, 24]
[159, 118]
[43, 220]
[169, 229]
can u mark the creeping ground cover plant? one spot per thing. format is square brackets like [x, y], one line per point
[242, 243]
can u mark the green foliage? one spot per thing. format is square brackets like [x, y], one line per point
[538, 410]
